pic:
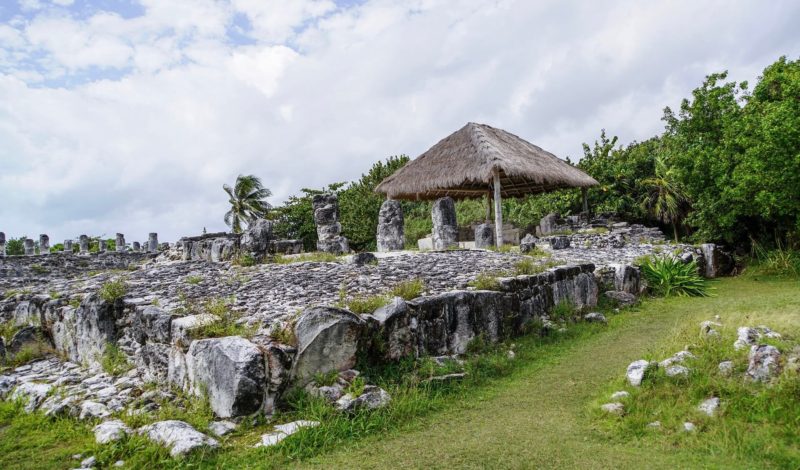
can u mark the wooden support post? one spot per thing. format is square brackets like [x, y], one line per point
[584, 191]
[498, 210]
[488, 207]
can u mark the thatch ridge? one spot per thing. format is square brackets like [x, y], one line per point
[462, 165]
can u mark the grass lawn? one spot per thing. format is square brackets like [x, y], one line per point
[538, 410]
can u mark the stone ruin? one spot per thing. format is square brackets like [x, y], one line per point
[257, 242]
[391, 234]
[329, 230]
[445, 225]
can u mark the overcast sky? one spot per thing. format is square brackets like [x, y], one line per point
[129, 115]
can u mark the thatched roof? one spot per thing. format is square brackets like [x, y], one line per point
[462, 164]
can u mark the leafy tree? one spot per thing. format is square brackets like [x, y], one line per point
[248, 201]
[16, 246]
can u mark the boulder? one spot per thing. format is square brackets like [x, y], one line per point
[595, 317]
[764, 362]
[615, 408]
[110, 431]
[626, 278]
[527, 244]
[677, 358]
[179, 436]
[35, 393]
[391, 235]
[326, 218]
[709, 406]
[689, 427]
[717, 262]
[677, 371]
[372, 398]
[725, 368]
[231, 371]
[393, 330]
[637, 370]
[622, 299]
[256, 239]
[445, 225]
[221, 428]
[362, 259]
[282, 431]
[560, 242]
[484, 236]
[92, 409]
[151, 324]
[548, 224]
[327, 340]
[746, 336]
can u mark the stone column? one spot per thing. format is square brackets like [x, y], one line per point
[484, 236]
[84, 244]
[445, 227]
[67, 246]
[30, 249]
[101, 246]
[137, 246]
[326, 218]
[391, 235]
[44, 244]
[2, 244]
[120, 242]
[152, 243]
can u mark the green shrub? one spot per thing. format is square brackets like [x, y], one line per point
[668, 276]
[408, 289]
[356, 387]
[485, 282]
[563, 310]
[780, 261]
[111, 291]
[194, 280]
[326, 379]
[285, 335]
[368, 304]
[244, 259]
[114, 361]
[227, 324]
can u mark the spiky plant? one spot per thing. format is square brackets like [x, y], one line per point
[668, 276]
[248, 201]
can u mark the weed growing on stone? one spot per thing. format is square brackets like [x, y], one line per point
[113, 290]
[485, 282]
[75, 302]
[326, 379]
[244, 259]
[367, 304]
[30, 352]
[408, 289]
[114, 361]
[8, 329]
[193, 280]
[39, 269]
[356, 387]
[55, 295]
[227, 325]
[316, 257]
[530, 267]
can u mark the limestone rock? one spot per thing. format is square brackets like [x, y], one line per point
[92, 409]
[327, 340]
[559, 242]
[326, 218]
[725, 368]
[221, 428]
[394, 330]
[709, 406]
[445, 225]
[764, 362]
[717, 262]
[689, 427]
[152, 324]
[230, 371]
[182, 328]
[637, 370]
[110, 431]
[595, 317]
[677, 358]
[484, 236]
[677, 371]
[282, 431]
[256, 239]
[363, 259]
[372, 398]
[708, 328]
[626, 278]
[391, 232]
[527, 244]
[620, 395]
[179, 436]
[26, 336]
[548, 224]
[615, 408]
[746, 336]
[35, 393]
[623, 299]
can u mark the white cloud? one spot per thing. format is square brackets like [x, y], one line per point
[322, 93]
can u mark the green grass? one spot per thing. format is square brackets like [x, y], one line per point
[485, 282]
[227, 325]
[408, 289]
[316, 257]
[111, 291]
[114, 361]
[364, 304]
[193, 280]
[326, 379]
[529, 266]
[534, 411]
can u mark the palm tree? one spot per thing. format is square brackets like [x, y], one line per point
[664, 199]
[248, 201]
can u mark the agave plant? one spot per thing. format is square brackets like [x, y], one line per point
[668, 276]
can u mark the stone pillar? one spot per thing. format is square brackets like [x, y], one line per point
[329, 230]
[484, 236]
[83, 240]
[101, 246]
[445, 226]
[137, 246]
[152, 243]
[44, 244]
[67, 246]
[2, 244]
[120, 242]
[30, 249]
[391, 235]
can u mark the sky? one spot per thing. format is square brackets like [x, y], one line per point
[129, 115]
